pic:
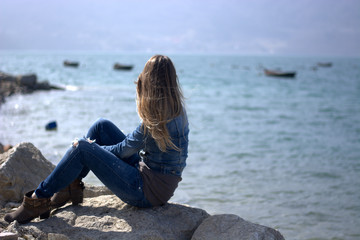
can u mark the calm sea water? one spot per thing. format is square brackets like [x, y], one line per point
[279, 152]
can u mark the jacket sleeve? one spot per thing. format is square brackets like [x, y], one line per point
[132, 144]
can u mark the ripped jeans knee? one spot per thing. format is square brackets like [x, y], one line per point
[75, 142]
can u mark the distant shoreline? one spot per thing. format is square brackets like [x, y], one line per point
[169, 53]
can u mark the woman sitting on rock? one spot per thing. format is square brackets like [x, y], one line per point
[143, 168]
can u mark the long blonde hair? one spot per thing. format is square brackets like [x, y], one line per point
[159, 99]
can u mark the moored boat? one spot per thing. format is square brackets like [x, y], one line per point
[118, 66]
[71, 64]
[273, 73]
[324, 64]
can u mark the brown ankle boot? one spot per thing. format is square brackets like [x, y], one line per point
[73, 192]
[30, 208]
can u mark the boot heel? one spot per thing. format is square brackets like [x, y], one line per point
[77, 193]
[77, 200]
[73, 193]
[45, 215]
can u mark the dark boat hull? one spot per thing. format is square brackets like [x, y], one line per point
[271, 73]
[71, 64]
[118, 66]
[325, 64]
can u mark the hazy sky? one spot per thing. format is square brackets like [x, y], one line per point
[265, 27]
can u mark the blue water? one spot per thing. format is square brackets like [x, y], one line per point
[279, 152]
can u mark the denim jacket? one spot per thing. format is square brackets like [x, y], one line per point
[169, 162]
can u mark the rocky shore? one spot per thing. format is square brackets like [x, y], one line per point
[105, 216]
[22, 84]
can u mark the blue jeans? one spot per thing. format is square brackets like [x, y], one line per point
[121, 176]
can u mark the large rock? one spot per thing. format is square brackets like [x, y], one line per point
[95, 191]
[22, 168]
[28, 83]
[107, 217]
[229, 226]
[28, 80]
